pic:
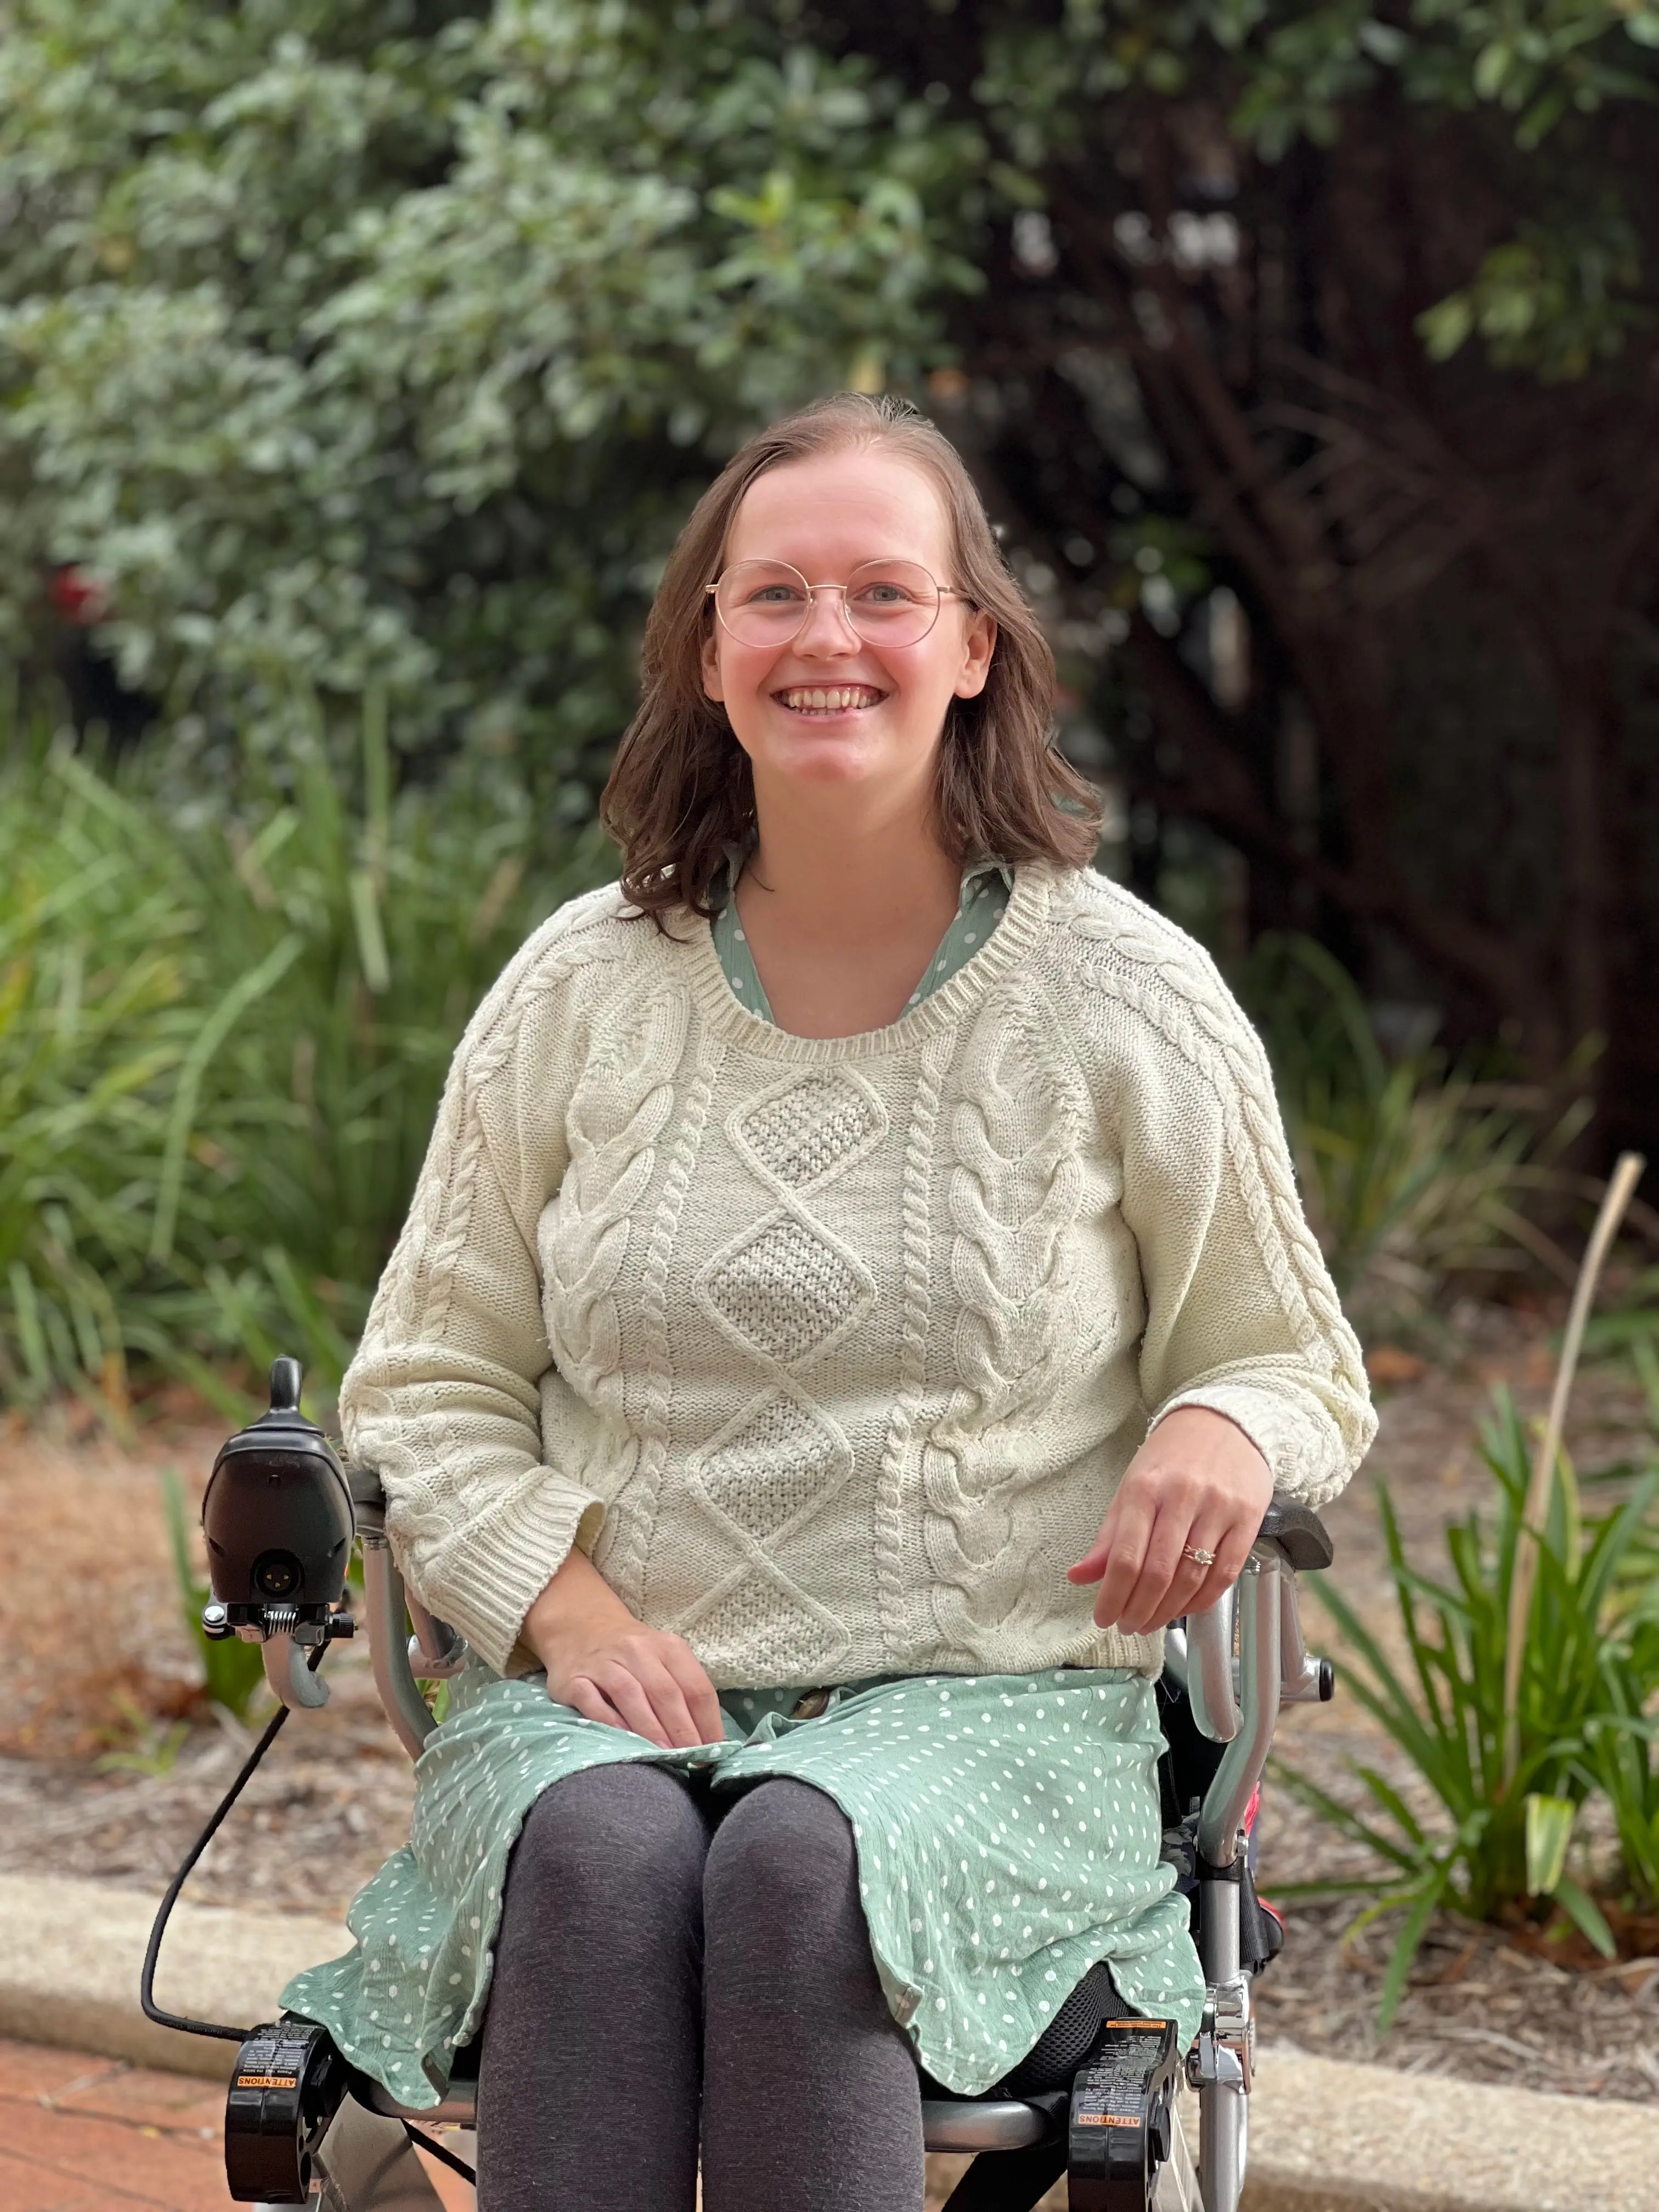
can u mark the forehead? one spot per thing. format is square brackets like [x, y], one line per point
[841, 509]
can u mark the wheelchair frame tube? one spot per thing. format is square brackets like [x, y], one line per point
[1224, 2106]
[388, 1642]
[1224, 2046]
[1209, 1670]
[1229, 1795]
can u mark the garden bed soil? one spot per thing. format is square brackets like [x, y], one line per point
[99, 1662]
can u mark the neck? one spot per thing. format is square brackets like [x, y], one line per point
[849, 864]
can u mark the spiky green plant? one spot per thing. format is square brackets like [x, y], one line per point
[221, 1049]
[1490, 1846]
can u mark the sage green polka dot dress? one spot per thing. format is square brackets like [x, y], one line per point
[1007, 1827]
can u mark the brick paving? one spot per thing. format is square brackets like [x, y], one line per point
[79, 2134]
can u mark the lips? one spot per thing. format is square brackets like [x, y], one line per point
[829, 698]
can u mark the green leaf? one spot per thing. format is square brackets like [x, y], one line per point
[1408, 1943]
[1549, 1832]
[237, 997]
[1585, 1916]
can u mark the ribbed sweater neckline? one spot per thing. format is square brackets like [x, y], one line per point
[945, 1009]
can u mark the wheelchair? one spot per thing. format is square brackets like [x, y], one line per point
[281, 1516]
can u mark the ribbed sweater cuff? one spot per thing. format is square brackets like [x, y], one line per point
[1301, 1444]
[498, 1567]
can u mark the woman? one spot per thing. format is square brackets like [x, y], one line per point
[855, 1298]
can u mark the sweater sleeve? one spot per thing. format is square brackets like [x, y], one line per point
[444, 1397]
[1241, 1316]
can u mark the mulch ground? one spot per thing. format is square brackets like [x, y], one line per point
[99, 1662]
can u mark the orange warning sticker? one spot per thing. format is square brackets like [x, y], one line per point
[1104, 2120]
[267, 2080]
[1135, 2023]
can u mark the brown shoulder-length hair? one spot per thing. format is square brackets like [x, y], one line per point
[681, 791]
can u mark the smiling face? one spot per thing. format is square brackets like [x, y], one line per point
[829, 707]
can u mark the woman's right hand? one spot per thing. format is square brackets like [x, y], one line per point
[613, 1668]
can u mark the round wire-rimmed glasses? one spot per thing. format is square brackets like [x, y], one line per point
[768, 603]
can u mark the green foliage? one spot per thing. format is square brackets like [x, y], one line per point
[220, 1051]
[1412, 1173]
[156, 1744]
[387, 345]
[1554, 300]
[1551, 301]
[1630, 1322]
[1492, 1847]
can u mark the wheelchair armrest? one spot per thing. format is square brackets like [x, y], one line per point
[364, 1484]
[1301, 1536]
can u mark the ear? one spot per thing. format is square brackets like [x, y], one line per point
[713, 687]
[978, 646]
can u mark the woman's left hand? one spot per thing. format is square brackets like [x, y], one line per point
[1197, 1484]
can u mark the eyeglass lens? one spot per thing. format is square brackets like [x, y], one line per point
[888, 602]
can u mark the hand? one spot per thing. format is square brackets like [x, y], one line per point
[1197, 1482]
[613, 1668]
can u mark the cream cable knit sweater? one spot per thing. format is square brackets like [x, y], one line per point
[832, 1352]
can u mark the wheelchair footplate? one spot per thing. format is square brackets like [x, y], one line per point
[1122, 2117]
[289, 2083]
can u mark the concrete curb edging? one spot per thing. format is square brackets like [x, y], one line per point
[1326, 2135]
[71, 1954]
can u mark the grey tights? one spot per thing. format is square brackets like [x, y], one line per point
[651, 1976]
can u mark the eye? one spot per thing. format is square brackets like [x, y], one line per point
[773, 595]
[884, 591]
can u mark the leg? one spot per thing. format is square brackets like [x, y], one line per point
[589, 2073]
[811, 2098]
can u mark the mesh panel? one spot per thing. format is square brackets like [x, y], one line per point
[1067, 2041]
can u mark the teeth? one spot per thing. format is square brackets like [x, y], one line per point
[835, 699]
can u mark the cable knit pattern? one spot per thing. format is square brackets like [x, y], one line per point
[622, 1551]
[832, 1352]
[620, 1107]
[913, 1344]
[785, 1291]
[1014, 1194]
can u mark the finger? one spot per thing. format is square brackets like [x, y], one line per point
[1180, 1594]
[1231, 1546]
[1091, 1567]
[631, 1702]
[1162, 1595]
[668, 1702]
[1124, 1560]
[1144, 1605]
[700, 1692]
[590, 1702]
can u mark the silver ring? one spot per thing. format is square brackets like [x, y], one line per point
[1198, 1555]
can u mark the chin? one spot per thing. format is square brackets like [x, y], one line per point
[821, 757]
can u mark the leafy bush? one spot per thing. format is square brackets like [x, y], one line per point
[389, 343]
[1411, 1172]
[221, 1050]
[1584, 1691]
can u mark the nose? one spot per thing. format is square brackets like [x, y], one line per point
[826, 629]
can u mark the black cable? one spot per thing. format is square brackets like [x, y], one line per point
[422, 2142]
[147, 1985]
